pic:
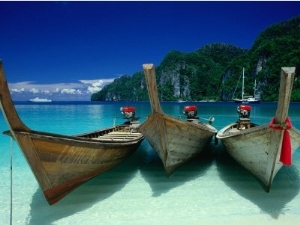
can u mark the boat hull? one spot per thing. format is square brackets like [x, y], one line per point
[176, 141]
[258, 149]
[62, 163]
[247, 101]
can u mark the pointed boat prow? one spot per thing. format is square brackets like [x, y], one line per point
[8, 108]
[264, 149]
[61, 163]
[285, 92]
[175, 141]
[150, 77]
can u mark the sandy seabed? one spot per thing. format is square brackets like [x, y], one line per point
[211, 189]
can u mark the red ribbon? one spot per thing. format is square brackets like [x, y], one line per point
[286, 147]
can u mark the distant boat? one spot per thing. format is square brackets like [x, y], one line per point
[175, 140]
[61, 163]
[264, 149]
[37, 99]
[249, 99]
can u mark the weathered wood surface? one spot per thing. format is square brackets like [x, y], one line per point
[150, 77]
[61, 163]
[175, 141]
[258, 148]
[285, 91]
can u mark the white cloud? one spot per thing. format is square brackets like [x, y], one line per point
[47, 92]
[17, 90]
[34, 90]
[93, 89]
[96, 85]
[71, 91]
[62, 91]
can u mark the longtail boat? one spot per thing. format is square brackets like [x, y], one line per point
[264, 149]
[175, 140]
[61, 163]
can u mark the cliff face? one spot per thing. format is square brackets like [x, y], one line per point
[196, 76]
[180, 84]
[213, 71]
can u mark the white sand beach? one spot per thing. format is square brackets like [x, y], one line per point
[212, 189]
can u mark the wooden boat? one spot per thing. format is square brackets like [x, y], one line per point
[264, 149]
[175, 140]
[61, 163]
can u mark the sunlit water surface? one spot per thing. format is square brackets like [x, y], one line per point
[211, 189]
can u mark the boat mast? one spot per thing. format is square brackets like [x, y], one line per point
[243, 84]
[254, 92]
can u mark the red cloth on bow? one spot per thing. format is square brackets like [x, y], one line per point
[286, 147]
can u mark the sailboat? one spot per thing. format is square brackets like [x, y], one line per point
[248, 99]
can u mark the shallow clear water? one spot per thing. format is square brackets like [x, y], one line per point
[211, 189]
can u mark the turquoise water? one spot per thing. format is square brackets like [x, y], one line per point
[211, 189]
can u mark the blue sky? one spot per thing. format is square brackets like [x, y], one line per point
[68, 50]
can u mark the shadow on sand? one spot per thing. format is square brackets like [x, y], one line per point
[85, 196]
[284, 188]
[153, 172]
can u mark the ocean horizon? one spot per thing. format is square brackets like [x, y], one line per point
[210, 189]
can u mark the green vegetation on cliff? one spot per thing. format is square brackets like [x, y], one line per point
[213, 71]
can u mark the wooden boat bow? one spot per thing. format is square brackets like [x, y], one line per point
[11, 115]
[174, 140]
[264, 149]
[150, 77]
[61, 163]
[285, 91]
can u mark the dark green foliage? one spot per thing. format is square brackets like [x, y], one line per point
[212, 72]
[125, 88]
[280, 46]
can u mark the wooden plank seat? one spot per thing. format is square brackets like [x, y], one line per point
[118, 136]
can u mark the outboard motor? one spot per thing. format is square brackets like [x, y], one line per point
[128, 112]
[244, 116]
[190, 112]
[244, 111]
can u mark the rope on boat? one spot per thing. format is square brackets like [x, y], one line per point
[286, 146]
[11, 179]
